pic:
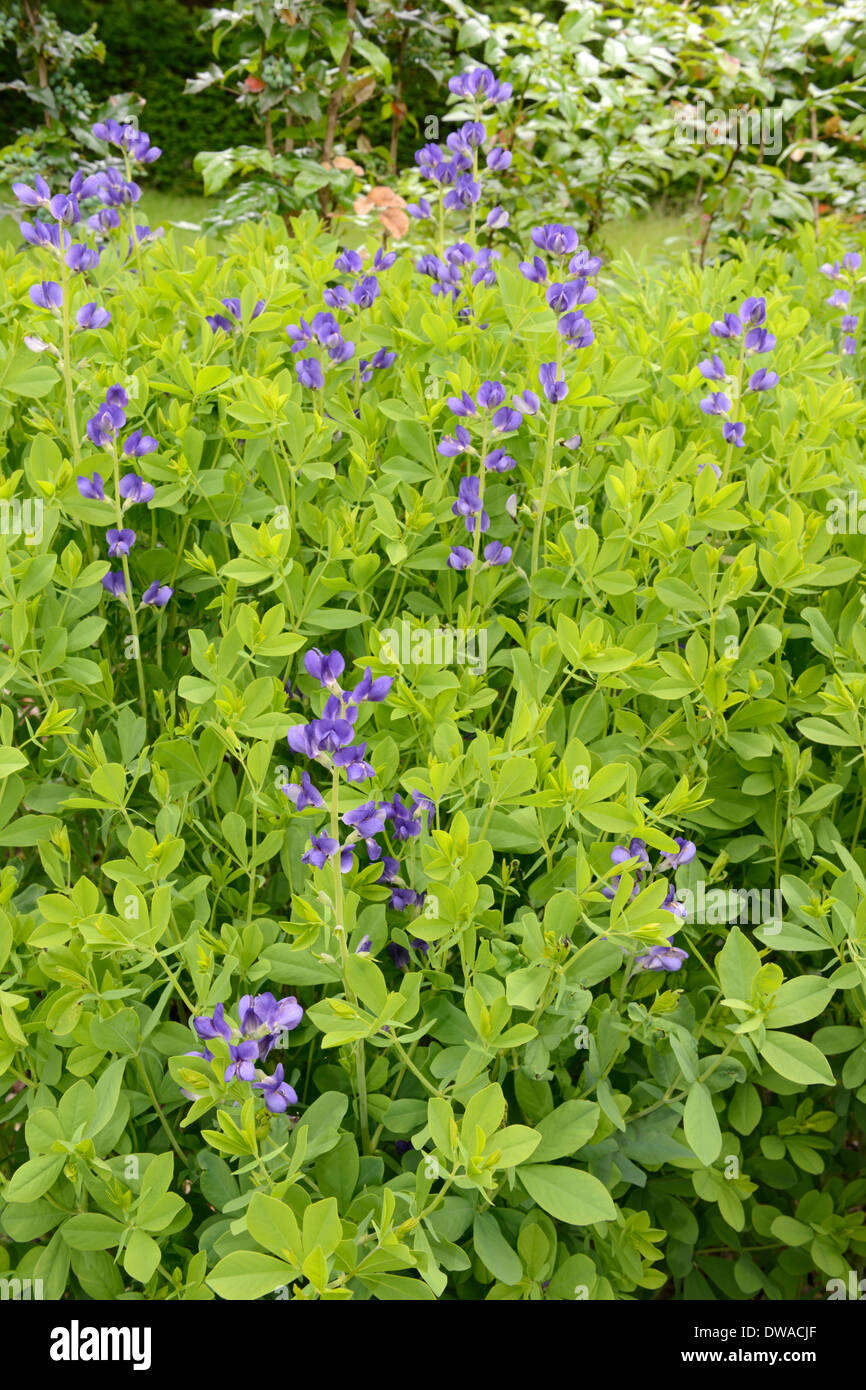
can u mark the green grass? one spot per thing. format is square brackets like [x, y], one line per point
[167, 209]
[656, 237]
[155, 210]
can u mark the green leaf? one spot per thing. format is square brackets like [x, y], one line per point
[796, 1059]
[273, 1225]
[11, 760]
[33, 1178]
[92, 1231]
[798, 1000]
[494, 1251]
[141, 1257]
[566, 1129]
[569, 1194]
[701, 1125]
[738, 963]
[246, 1274]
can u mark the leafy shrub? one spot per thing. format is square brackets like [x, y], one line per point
[752, 112]
[380, 811]
[126, 40]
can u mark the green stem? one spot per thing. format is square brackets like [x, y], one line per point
[161, 1114]
[133, 621]
[340, 928]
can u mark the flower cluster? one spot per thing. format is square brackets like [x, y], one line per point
[453, 171]
[448, 271]
[559, 244]
[749, 327]
[635, 854]
[111, 187]
[330, 742]
[103, 430]
[488, 411]
[261, 1021]
[841, 298]
[220, 324]
[326, 332]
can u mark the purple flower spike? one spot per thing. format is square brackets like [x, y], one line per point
[753, 311]
[370, 689]
[92, 316]
[304, 795]
[301, 739]
[713, 368]
[556, 239]
[47, 295]
[636, 850]
[576, 329]
[684, 855]
[133, 488]
[734, 433]
[114, 583]
[399, 954]
[499, 159]
[320, 851]
[278, 1094]
[763, 380]
[499, 462]
[136, 445]
[497, 554]
[310, 374]
[468, 497]
[215, 1027]
[244, 1056]
[839, 299]
[491, 394]
[157, 595]
[120, 542]
[366, 819]
[662, 958]
[716, 404]
[450, 446]
[80, 258]
[461, 405]
[38, 197]
[325, 669]
[334, 730]
[727, 327]
[527, 403]
[554, 386]
[354, 761]
[534, 270]
[760, 340]
[461, 558]
[91, 489]
[506, 420]
[349, 262]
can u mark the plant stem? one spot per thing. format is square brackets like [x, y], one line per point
[133, 621]
[358, 1047]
